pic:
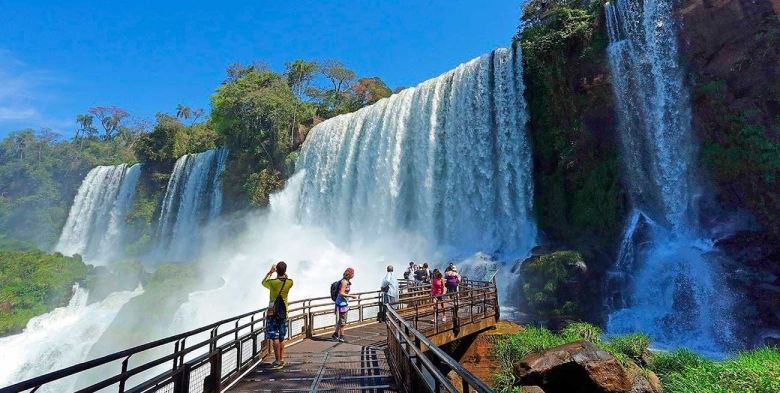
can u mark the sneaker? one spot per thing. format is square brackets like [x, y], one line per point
[276, 365]
[341, 340]
[282, 363]
[334, 337]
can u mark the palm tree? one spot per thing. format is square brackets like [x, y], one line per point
[183, 112]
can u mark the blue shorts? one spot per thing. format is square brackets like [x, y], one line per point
[275, 329]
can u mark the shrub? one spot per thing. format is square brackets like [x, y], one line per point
[629, 347]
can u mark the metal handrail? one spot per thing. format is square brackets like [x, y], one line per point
[247, 329]
[408, 345]
[242, 333]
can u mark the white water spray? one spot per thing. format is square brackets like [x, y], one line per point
[58, 339]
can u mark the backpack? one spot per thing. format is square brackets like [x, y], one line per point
[453, 280]
[334, 290]
[279, 309]
[419, 275]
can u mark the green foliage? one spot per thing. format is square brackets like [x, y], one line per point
[39, 177]
[261, 185]
[745, 157]
[171, 139]
[576, 331]
[33, 283]
[119, 276]
[547, 283]
[633, 347]
[749, 372]
[579, 199]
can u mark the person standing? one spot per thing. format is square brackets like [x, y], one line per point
[437, 292]
[342, 304]
[409, 273]
[276, 316]
[389, 292]
[452, 278]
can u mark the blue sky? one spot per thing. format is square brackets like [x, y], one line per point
[59, 58]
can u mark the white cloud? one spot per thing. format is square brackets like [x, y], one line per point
[23, 91]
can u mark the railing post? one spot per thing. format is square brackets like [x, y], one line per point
[181, 384]
[213, 382]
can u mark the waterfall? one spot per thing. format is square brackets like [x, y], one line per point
[95, 222]
[676, 295]
[193, 197]
[655, 115]
[58, 339]
[447, 162]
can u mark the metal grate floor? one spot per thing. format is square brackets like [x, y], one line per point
[321, 365]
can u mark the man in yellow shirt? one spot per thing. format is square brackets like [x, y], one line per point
[276, 316]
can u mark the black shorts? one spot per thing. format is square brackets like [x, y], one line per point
[451, 288]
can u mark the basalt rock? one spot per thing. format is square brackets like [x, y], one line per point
[581, 367]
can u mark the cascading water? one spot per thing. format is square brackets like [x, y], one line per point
[58, 339]
[94, 225]
[447, 162]
[442, 169]
[193, 198]
[676, 297]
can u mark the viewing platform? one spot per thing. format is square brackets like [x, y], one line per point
[402, 354]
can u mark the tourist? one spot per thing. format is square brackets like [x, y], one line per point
[437, 292]
[389, 292]
[422, 275]
[452, 278]
[276, 315]
[342, 304]
[410, 271]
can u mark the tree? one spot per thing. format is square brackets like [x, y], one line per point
[299, 75]
[237, 70]
[87, 129]
[183, 111]
[340, 76]
[110, 118]
[197, 113]
[368, 91]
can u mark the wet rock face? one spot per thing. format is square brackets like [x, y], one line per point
[753, 269]
[731, 49]
[581, 367]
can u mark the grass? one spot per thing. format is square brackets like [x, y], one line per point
[681, 371]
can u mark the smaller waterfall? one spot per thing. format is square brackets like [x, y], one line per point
[666, 278]
[95, 223]
[192, 199]
[58, 339]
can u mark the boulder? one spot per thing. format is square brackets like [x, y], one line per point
[581, 367]
[532, 389]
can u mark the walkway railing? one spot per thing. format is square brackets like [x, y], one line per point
[211, 357]
[417, 362]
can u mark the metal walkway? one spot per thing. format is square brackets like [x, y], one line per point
[402, 354]
[321, 365]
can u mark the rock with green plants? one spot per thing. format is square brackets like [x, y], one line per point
[579, 358]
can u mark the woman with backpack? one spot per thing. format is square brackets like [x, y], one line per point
[342, 304]
[437, 292]
[452, 278]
